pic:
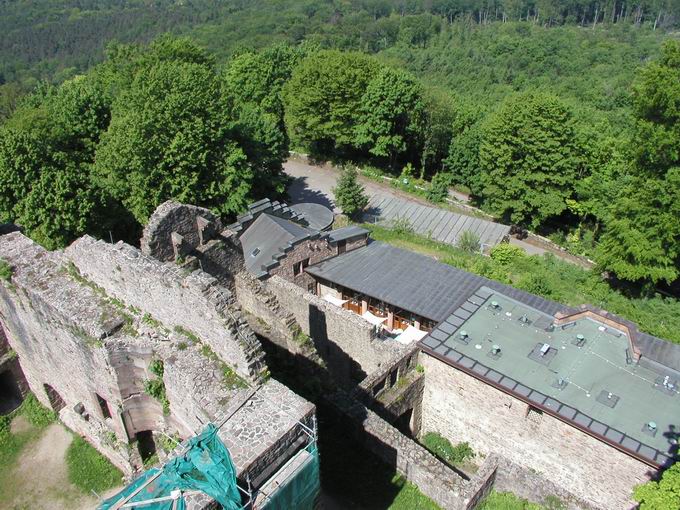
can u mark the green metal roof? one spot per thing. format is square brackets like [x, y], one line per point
[595, 385]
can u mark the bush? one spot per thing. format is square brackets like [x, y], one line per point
[468, 242]
[444, 450]
[349, 193]
[506, 253]
[439, 188]
[401, 226]
[5, 271]
[88, 469]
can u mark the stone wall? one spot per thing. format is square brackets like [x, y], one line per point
[314, 250]
[396, 389]
[347, 342]
[590, 473]
[448, 488]
[182, 219]
[195, 302]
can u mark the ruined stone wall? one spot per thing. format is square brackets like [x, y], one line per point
[333, 328]
[396, 388]
[589, 472]
[315, 250]
[195, 302]
[172, 217]
[277, 323]
[221, 258]
[448, 488]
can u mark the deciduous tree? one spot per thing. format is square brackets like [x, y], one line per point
[529, 159]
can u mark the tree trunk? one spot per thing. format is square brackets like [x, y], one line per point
[597, 13]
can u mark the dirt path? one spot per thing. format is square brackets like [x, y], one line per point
[41, 476]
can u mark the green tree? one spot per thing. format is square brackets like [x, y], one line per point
[392, 115]
[439, 188]
[170, 137]
[349, 193]
[529, 159]
[253, 84]
[660, 495]
[46, 153]
[642, 238]
[323, 97]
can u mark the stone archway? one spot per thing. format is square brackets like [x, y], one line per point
[55, 399]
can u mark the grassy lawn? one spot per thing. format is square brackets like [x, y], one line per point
[12, 444]
[507, 501]
[548, 277]
[88, 469]
[43, 466]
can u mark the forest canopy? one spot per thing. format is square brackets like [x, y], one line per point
[560, 117]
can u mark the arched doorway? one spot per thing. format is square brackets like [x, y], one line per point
[56, 401]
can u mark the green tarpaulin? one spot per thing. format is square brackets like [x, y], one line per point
[205, 466]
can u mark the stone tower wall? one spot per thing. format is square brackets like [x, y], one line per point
[587, 472]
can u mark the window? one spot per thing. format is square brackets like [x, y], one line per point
[104, 406]
[298, 267]
[311, 288]
[534, 415]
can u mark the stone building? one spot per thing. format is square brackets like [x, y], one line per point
[127, 348]
[575, 403]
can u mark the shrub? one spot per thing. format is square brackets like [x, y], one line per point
[444, 450]
[468, 242]
[5, 271]
[401, 226]
[506, 253]
[349, 193]
[439, 188]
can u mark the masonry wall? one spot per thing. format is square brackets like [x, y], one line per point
[195, 302]
[335, 331]
[53, 354]
[590, 473]
[436, 480]
[172, 217]
[315, 250]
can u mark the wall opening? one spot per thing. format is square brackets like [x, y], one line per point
[104, 406]
[146, 446]
[10, 394]
[55, 399]
[403, 423]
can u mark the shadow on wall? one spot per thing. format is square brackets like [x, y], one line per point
[351, 474]
[298, 191]
[340, 364]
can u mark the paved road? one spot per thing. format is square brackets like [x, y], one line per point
[314, 184]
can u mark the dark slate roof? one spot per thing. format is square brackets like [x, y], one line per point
[412, 281]
[265, 206]
[267, 239]
[318, 217]
[341, 234]
[434, 290]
